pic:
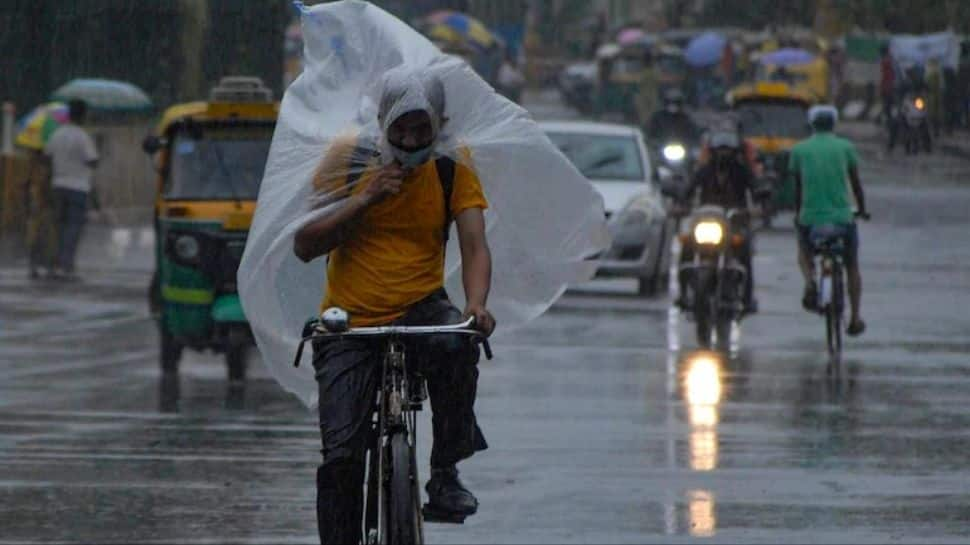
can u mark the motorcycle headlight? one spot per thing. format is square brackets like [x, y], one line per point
[186, 247]
[919, 103]
[708, 232]
[674, 153]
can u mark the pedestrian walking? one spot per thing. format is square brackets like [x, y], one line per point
[73, 157]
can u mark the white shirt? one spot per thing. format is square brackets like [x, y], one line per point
[71, 149]
[509, 77]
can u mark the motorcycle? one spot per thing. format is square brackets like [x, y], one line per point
[674, 165]
[714, 278]
[912, 126]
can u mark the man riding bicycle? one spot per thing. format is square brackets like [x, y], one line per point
[821, 164]
[385, 243]
[725, 181]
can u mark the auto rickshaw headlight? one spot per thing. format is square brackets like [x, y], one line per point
[187, 247]
[708, 232]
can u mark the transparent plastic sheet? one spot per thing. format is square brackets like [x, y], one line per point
[544, 219]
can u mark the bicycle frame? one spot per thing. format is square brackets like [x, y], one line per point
[831, 296]
[394, 413]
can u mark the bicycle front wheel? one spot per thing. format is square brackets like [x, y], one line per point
[403, 512]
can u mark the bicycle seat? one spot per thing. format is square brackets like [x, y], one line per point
[828, 237]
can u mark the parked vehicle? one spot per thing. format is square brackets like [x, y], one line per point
[577, 86]
[615, 159]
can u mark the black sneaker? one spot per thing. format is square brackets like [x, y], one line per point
[447, 494]
[810, 297]
[856, 328]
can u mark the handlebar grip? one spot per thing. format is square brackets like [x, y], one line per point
[487, 348]
[299, 353]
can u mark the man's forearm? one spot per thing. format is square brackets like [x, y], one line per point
[477, 275]
[860, 197]
[319, 237]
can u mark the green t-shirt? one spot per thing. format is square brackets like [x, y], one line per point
[823, 162]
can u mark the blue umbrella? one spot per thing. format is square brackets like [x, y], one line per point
[105, 95]
[788, 57]
[705, 50]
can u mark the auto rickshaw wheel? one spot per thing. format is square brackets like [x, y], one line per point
[170, 351]
[236, 351]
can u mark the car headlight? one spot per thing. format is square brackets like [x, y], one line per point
[674, 153]
[632, 218]
[708, 232]
[186, 247]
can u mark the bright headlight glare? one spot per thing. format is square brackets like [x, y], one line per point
[920, 104]
[674, 152]
[708, 232]
[187, 247]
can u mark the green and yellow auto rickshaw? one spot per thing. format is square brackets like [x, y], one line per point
[773, 119]
[210, 157]
[620, 70]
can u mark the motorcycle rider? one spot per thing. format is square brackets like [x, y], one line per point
[672, 122]
[385, 247]
[726, 181]
[820, 165]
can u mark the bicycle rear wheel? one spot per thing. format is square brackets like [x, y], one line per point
[833, 321]
[403, 512]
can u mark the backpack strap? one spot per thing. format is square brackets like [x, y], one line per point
[360, 158]
[446, 176]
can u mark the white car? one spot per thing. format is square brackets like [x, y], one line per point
[614, 158]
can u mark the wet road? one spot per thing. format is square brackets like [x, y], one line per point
[605, 423]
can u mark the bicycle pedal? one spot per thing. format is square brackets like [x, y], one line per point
[432, 514]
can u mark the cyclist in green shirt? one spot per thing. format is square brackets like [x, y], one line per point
[823, 164]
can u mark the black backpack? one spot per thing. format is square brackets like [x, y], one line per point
[362, 155]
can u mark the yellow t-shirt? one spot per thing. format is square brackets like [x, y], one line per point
[396, 255]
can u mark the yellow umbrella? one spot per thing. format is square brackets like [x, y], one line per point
[37, 126]
[465, 27]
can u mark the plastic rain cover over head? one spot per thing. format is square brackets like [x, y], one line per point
[364, 69]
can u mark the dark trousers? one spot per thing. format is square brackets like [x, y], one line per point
[70, 215]
[348, 373]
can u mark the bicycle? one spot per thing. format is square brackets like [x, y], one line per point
[392, 492]
[829, 242]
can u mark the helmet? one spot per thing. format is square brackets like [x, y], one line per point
[673, 100]
[724, 139]
[823, 116]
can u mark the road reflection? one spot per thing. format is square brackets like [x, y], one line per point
[701, 513]
[702, 392]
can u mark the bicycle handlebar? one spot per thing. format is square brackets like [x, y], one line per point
[465, 328]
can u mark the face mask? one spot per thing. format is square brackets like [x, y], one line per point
[412, 159]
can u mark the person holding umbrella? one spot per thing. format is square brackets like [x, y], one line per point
[41, 236]
[73, 157]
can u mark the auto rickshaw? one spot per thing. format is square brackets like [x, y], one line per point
[210, 157]
[810, 78]
[620, 70]
[773, 119]
[671, 67]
